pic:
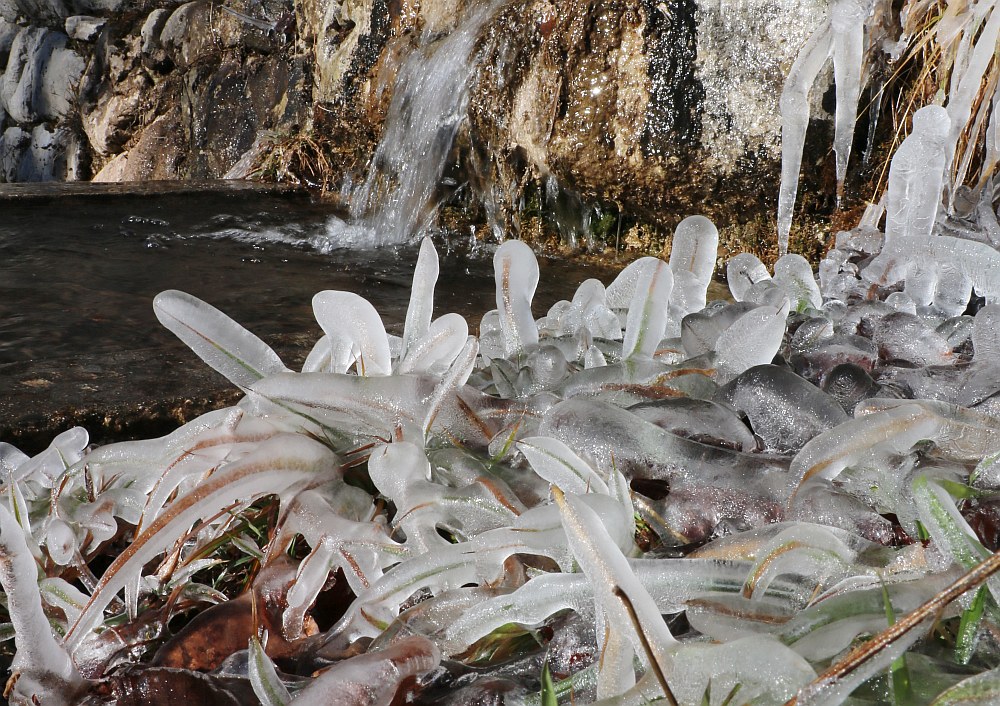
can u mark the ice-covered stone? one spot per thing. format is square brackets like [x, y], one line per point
[783, 409]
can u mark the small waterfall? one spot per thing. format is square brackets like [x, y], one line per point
[430, 101]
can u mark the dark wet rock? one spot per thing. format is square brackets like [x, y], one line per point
[662, 108]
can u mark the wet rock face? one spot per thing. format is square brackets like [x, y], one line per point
[668, 108]
[662, 107]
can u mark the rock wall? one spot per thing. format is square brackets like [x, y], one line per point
[125, 91]
[660, 107]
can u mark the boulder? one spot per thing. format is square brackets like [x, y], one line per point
[13, 144]
[84, 28]
[662, 108]
[197, 30]
[41, 77]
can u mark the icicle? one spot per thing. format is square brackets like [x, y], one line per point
[847, 22]
[795, 121]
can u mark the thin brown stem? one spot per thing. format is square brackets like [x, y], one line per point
[650, 655]
[879, 643]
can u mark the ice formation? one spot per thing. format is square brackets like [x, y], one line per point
[841, 36]
[764, 466]
[810, 464]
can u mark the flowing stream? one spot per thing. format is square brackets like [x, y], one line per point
[429, 103]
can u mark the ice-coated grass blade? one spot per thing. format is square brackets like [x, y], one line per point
[611, 576]
[899, 674]
[897, 430]
[516, 273]
[867, 658]
[438, 347]
[272, 467]
[548, 688]
[46, 671]
[648, 310]
[979, 690]
[264, 678]
[556, 463]
[945, 523]
[421, 308]
[968, 628]
[223, 344]
[351, 320]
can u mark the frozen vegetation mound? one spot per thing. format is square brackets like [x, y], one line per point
[640, 496]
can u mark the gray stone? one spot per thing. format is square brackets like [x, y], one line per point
[9, 10]
[41, 76]
[25, 67]
[151, 29]
[59, 83]
[8, 31]
[44, 11]
[84, 28]
[13, 144]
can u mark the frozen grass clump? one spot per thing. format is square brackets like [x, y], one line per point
[660, 497]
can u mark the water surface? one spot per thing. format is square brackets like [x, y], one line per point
[79, 268]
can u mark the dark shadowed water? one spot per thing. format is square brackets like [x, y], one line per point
[79, 267]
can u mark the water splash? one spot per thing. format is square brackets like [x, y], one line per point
[430, 101]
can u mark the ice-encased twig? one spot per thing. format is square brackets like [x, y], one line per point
[41, 666]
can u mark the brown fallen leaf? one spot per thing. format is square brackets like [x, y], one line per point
[160, 686]
[205, 642]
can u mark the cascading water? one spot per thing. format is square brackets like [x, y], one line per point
[430, 101]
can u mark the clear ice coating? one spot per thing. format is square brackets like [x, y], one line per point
[518, 475]
[785, 470]
[913, 197]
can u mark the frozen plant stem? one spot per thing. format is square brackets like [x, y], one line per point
[653, 662]
[871, 649]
